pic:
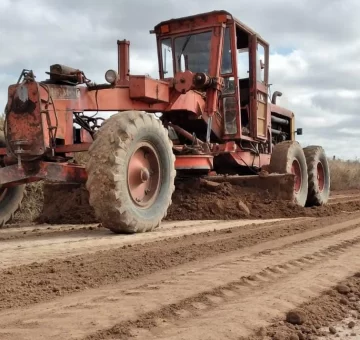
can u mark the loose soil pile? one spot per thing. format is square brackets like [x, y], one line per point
[316, 318]
[193, 199]
[66, 203]
[198, 200]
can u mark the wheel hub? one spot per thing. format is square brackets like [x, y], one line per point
[144, 175]
[320, 176]
[296, 170]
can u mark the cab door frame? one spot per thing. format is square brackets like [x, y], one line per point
[229, 103]
[259, 83]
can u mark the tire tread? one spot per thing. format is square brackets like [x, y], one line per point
[106, 182]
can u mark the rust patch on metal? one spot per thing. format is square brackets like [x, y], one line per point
[23, 128]
[22, 103]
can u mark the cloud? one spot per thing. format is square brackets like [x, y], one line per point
[314, 50]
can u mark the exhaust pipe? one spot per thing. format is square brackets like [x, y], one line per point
[275, 94]
[123, 60]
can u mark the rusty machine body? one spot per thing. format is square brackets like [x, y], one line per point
[216, 118]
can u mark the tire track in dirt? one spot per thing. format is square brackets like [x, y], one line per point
[84, 231]
[215, 314]
[172, 289]
[33, 232]
[344, 200]
[247, 306]
[43, 244]
[344, 194]
[60, 277]
[42, 249]
[334, 308]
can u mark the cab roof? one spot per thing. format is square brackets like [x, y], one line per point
[207, 14]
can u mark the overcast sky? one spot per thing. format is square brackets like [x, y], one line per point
[314, 61]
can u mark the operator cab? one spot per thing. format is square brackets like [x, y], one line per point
[192, 43]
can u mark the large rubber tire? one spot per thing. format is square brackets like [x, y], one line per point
[288, 157]
[111, 191]
[318, 174]
[10, 198]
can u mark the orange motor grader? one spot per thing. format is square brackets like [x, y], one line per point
[208, 114]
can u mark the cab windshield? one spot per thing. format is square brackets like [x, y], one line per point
[191, 52]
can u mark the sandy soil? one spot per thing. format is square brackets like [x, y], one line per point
[225, 278]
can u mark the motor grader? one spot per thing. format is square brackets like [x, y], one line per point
[209, 114]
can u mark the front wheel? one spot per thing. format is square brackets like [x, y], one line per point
[131, 172]
[319, 175]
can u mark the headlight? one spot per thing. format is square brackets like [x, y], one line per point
[111, 76]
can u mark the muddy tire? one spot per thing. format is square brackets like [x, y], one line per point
[131, 172]
[318, 176]
[288, 157]
[10, 198]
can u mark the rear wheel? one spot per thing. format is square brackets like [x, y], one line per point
[318, 174]
[288, 158]
[131, 172]
[10, 198]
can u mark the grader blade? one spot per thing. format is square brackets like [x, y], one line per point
[280, 186]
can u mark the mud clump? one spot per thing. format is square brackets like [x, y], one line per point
[342, 289]
[244, 207]
[279, 336]
[332, 330]
[294, 337]
[351, 324]
[296, 317]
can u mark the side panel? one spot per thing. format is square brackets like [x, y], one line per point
[261, 113]
[148, 90]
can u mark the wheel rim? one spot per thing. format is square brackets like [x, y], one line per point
[144, 175]
[320, 176]
[296, 170]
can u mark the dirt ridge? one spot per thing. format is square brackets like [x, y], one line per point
[187, 308]
[193, 199]
[203, 277]
[225, 279]
[60, 277]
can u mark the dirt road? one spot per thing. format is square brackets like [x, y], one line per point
[233, 279]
